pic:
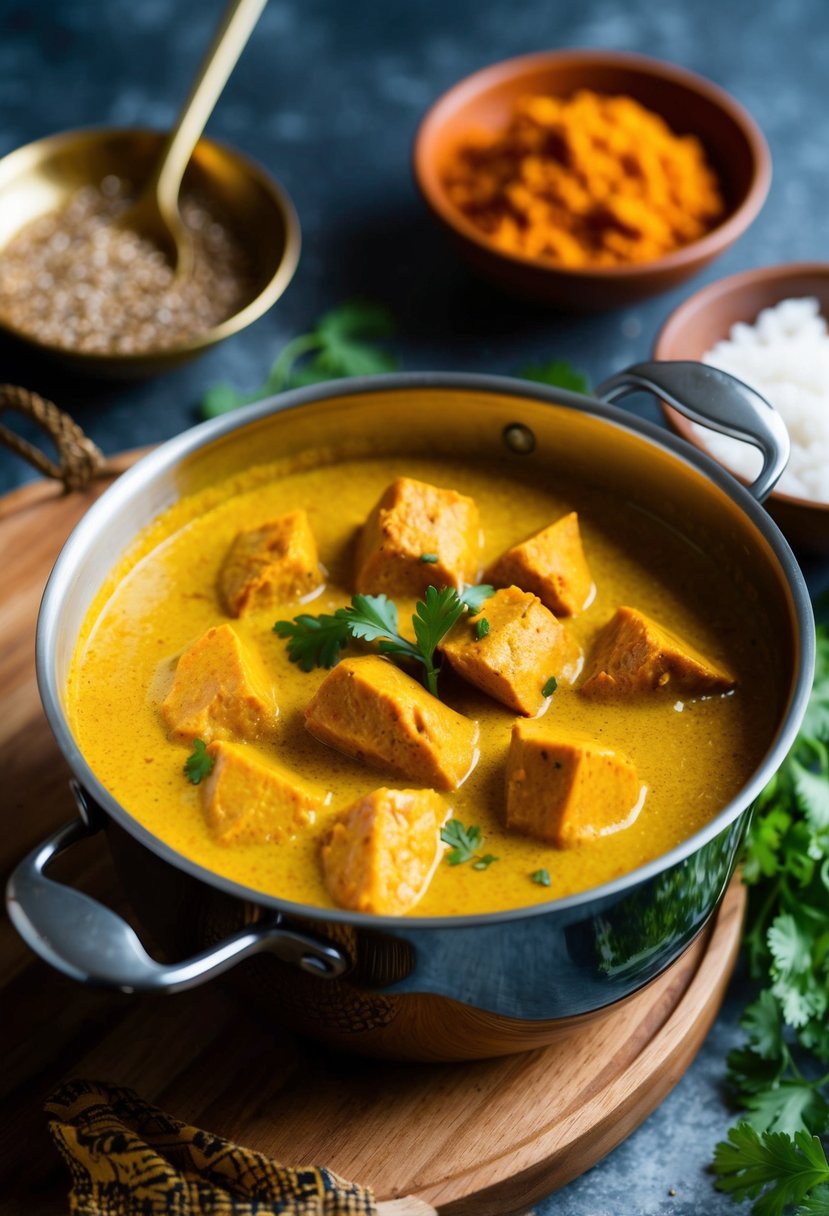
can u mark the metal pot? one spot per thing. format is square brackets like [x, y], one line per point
[414, 987]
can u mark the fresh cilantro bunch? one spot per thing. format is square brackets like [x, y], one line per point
[316, 641]
[780, 1078]
[342, 343]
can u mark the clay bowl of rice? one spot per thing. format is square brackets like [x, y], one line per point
[769, 328]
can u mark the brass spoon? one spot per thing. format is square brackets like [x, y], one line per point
[155, 213]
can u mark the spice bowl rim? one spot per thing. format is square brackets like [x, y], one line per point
[677, 264]
[28, 157]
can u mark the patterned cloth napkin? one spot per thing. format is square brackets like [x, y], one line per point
[128, 1158]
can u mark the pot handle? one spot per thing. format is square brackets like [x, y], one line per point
[93, 944]
[716, 400]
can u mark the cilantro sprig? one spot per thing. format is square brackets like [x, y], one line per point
[465, 844]
[779, 1078]
[780, 1172]
[344, 342]
[316, 641]
[198, 764]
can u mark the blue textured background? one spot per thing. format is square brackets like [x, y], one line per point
[327, 96]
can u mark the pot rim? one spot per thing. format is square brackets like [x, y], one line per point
[170, 453]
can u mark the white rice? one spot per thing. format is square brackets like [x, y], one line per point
[784, 355]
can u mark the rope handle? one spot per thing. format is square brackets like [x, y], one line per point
[78, 460]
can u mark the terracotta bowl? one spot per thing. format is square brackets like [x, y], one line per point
[735, 146]
[706, 318]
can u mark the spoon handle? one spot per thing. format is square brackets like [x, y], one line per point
[229, 41]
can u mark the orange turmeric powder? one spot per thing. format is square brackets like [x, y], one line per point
[590, 180]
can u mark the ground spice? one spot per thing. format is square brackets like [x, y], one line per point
[75, 280]
[589, 180]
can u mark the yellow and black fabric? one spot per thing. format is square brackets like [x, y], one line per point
[128, 1158]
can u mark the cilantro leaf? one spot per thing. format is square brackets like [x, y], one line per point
[371, 617]
[761, 1021]
[341, 344]
[542, 877]
[476, 596]
[356, 321]
[434, 616]
[789, 946]
[464, 845]
[549, 687]
[790, 1107]
[463, 841]
[559, 373]
[222, 398]
[765, 836]
[816, 1203]
[481, 628]
[483, 863]
[812, 793]
[775, 1169]
[198, 764]
[315, 641]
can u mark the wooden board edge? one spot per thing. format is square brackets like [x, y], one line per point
[529, 1171]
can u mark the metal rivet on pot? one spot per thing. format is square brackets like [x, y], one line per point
[519, 438]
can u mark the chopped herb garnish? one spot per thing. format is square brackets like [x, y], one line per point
[483, 863]
[462, 841]
[550, 687]
[198, 764]
[464, 845]
[475, 597]
[316, 641]
[542, 877]
[342, 343]
[481, 628]
[429, 558]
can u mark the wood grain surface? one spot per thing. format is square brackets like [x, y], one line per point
[488, 1138]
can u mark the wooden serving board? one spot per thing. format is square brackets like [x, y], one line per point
[488, 1138]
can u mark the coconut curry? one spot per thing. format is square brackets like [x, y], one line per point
[601, 693]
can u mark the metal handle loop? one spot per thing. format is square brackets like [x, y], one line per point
[89, 942]
[716, 400]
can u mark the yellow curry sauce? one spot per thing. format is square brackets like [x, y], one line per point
[692, 756]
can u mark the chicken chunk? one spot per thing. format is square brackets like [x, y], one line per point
[522, 647]
[632, 654]
[551, 564]
[220, 691]
[564, 788]
[418, 535]
[269, 564]
[370, 709]
[247, 801]
[379, 854]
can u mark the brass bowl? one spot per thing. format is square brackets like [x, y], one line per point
[40, 177]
